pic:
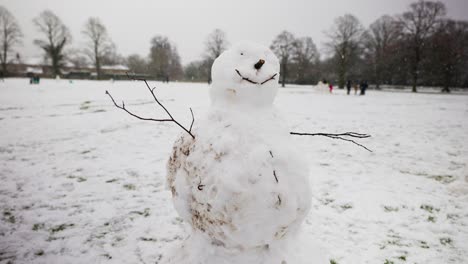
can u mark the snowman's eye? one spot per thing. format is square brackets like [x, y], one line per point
[242, 53]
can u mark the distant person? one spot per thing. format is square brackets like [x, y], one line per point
[330, 86]
[348, 86]
[356, 87]
[364, 86]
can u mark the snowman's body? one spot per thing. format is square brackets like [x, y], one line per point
[241, 184]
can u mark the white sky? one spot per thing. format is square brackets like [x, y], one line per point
[131, 24]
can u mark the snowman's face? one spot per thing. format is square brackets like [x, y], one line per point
[245, 74]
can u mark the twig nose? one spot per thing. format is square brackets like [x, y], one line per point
[259, 64]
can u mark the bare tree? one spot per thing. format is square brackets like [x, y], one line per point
[137, 64]
[449, 48]
[98, 42]
[10, 35]
[283, 46]
[56, 37]
[344, 40]
[77, 58]
[418, 24]
[381, 42]
[111, 56]
[215, 44]
[305, 56]
[164, 60]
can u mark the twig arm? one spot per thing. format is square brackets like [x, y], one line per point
[151, 90]
[340, 136]
[134, 115]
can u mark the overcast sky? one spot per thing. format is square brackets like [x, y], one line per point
[131, 24]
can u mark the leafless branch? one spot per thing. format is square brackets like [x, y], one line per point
[341, 136]
[271, 78]
[151, 90]
[250, 81]
[244, 78]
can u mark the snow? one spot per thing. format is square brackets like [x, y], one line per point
[83, 182]
[115, 67]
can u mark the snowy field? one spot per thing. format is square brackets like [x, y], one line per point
[83, 182]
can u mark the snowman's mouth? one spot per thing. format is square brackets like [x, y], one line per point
[250, 81]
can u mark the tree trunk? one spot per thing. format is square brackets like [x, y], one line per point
[415, 72]
[96, 58]
[55, 66]
[4, 69]
[415, 80]
[341, 74]
[283, 77]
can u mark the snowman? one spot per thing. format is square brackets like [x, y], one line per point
[241, 184]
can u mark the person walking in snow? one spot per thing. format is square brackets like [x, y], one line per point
[348, 86]
[330, 86]
[364, 86]
[356, 87]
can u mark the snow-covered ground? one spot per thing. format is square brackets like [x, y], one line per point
[83, 182]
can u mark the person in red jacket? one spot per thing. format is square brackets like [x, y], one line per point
[331, 87]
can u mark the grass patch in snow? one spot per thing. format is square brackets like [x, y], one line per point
[389, 209]
[60, 228]
[144, 213]
[429, 208]
[111, 180]
[107, 256]
[446, 241]
[327, 201]
[423, 244]
[86, 151]
[85, 105]
[129, 186]
[9, 217]
[148, 239]
[443, 178]
[346, 206]
[78, 178]
[38, 226]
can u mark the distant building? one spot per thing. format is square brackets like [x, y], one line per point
[41, 68]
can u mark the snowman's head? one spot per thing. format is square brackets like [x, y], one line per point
[246, 74]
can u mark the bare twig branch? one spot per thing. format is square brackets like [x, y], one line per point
[151, 90]
[279, 200]
[250, 81]
[134, 115]
[245, 79]
[200, 186]
[193, 120]
[271, 78]
[340, 136]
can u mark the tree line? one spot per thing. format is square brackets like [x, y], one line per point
[420, 47]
